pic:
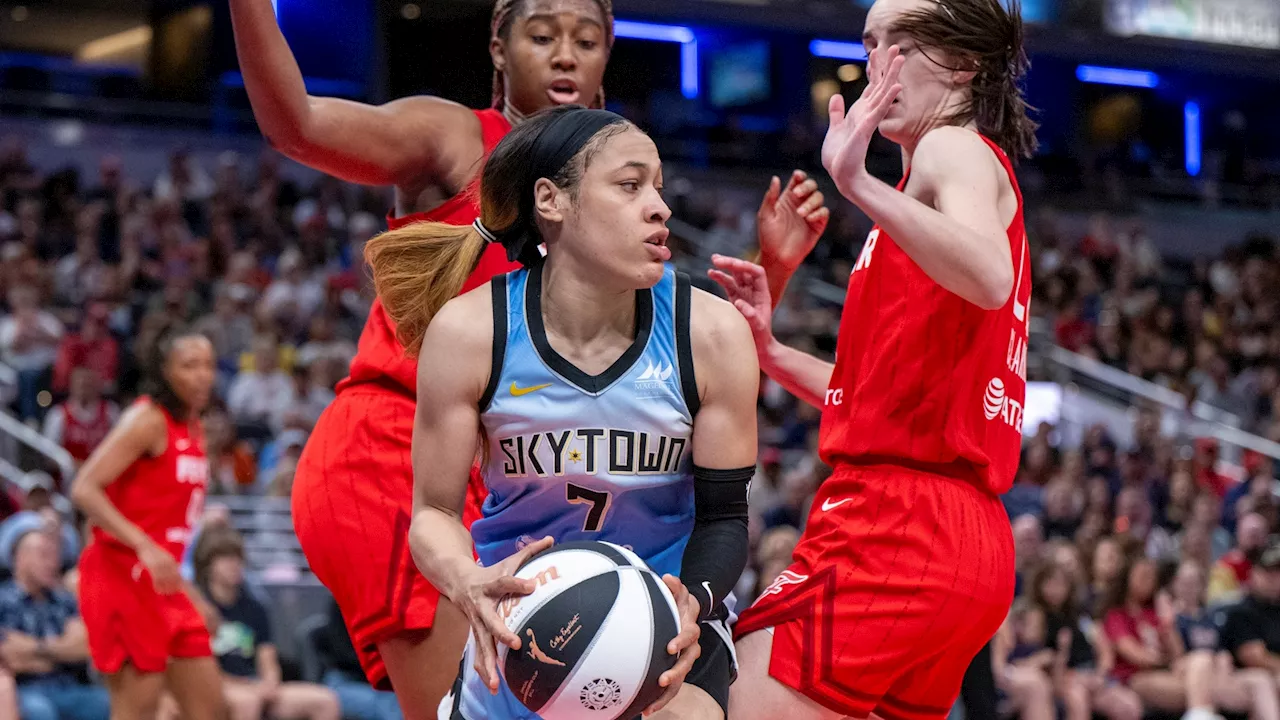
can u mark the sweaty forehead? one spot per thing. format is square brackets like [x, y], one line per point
[884, 15]
[584, 9]
[631, 148]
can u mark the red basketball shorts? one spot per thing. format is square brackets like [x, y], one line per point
[128, 622]
[352, 504]
[899, 580]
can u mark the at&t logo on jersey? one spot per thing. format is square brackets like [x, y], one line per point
[996, 403]
[656, 381]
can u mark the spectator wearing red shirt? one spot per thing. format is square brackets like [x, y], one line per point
[1207, 474]
[80, 423]
[92, 347]
[1073, 331]
[1150, 658]
[1231, 573]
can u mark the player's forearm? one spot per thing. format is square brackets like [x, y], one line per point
[955, 256]
[442, 549]
[802, 374]
[95, 504]
[778, 276]
[272, 78]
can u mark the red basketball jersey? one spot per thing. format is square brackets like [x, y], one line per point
[924, 378]
[80, 437]
[379, 357]
[164, 494]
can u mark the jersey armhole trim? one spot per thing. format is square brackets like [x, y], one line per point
[498, 288]
[684, 344]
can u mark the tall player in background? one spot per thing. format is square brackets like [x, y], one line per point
[612, 400]
[905, 569]
[353, 489]
[143, 491]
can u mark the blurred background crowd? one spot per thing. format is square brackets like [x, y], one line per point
[1146, 502]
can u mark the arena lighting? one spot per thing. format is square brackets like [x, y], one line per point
[1117, 76]
[838, 50]
[672, 34]
[1191, 116]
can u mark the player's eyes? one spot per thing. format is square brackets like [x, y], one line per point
[587, 44]
[543, 39]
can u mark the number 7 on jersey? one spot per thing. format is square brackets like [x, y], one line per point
[599, 502]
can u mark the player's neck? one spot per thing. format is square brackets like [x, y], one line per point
[513, 116]
[580, 311]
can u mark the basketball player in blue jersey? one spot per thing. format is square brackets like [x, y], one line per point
[612, 401]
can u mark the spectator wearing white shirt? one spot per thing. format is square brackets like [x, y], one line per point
[295, 294]
[29, 340]
[262, 395]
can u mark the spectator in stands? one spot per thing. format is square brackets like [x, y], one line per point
[232, 465]
[1231, 574]
[91, 347]
[29, 338]
[258, 396]
[229, 327]
[1063, 509]
[1142, 626]
[296, 293]
[49, 520]
[1018, 668]
[1177, 510]
[1028, 543]
[243, 644]
[45, 643]
[1248, 691]
[1206, 463]
[1081, 684]
[1252, 629]
[343, 674]
[80, 423]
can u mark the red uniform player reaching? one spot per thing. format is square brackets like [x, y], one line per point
[143, 491]
[352, 493]
[905, 569]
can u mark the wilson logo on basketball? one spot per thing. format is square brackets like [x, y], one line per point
[508, 604]
[996, 403]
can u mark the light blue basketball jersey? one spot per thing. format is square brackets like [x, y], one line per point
[578, 457]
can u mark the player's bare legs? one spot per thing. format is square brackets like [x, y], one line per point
[134, 695]
[423, 665]
[196, 685]
[755, 695]
[690, 703]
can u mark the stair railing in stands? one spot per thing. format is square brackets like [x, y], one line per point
[16, 429]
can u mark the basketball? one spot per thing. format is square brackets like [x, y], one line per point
[593, 635]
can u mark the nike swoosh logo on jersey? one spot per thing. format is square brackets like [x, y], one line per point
[828, 506]
[519, 391]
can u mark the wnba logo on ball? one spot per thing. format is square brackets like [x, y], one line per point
[995, 403]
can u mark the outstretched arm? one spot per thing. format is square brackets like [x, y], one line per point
[411, 142]
[802, 374]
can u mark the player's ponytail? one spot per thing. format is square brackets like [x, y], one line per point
[417, 269]
[420, 267]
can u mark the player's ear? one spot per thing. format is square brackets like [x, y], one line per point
[547, 201]
[498, 53]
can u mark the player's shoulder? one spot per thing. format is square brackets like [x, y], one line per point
[716, 328]
[144, 415]
[950, 153]
[464, 324]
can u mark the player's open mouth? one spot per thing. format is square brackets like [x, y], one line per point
[564, 92]
[659, 238]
